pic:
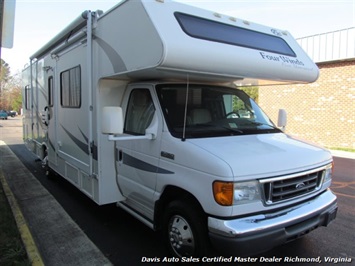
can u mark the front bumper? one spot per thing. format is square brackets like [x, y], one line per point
[258, 233]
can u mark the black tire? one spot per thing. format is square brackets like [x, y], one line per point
[185, 229]
[48, 171]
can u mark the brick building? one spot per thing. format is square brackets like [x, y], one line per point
[324, 111]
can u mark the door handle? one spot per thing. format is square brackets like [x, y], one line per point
[118, 155]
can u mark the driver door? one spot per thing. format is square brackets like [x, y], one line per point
[138, 160]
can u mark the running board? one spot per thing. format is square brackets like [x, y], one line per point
[135, 214]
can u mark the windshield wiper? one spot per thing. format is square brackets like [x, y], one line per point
[217, 126]
[234, 130]
[264, 124]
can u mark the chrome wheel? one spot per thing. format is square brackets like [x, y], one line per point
[181, 236]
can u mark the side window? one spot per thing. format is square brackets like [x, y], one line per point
[70, 88]
[27, 97]
[240, 108]
[50, 91]
[236, 107]
[140, 112]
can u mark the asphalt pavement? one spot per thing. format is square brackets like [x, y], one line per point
[50, 236]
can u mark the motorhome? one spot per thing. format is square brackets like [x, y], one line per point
[140, 106]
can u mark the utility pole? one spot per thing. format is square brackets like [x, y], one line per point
[7, 27]
[1, 22]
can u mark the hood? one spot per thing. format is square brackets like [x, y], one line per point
[264, 155]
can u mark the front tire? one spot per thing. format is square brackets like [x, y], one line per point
[185, 229]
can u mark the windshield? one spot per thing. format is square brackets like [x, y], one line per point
[211, 111]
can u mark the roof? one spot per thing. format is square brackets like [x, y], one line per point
[330, 46]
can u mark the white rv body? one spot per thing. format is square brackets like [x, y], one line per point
[102, 65]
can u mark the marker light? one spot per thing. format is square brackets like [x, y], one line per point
[228, 193]
[223, 193]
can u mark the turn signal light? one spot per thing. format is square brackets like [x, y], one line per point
[223, 193]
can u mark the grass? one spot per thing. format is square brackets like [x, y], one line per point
[342, 149]
[12, 250]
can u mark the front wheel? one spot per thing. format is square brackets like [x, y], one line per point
[185, 229]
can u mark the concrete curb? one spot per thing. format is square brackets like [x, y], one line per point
[56, 238]
[343, 154]
[32, 251]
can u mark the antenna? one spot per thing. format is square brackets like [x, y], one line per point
[186, 102]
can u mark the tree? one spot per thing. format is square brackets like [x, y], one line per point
[16, 99]
[10, 89]
[4, 71]
[4, 76]
[252, 91]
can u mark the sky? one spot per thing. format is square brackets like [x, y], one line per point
[38, 21]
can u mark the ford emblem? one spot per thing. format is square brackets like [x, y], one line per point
[300, 185]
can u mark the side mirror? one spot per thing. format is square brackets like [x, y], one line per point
[282, 119]
[112, 125]
[112, 120]
[152, 131]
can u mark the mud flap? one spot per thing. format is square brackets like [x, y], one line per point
[330, 216]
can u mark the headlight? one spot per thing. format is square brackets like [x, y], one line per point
[246, 192]
[228, 193]
[328, 173]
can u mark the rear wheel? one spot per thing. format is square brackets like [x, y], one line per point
[45, 166]
[185, 229]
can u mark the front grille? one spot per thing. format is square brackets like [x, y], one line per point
[289, 187]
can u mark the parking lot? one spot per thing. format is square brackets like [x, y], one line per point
[125, 241]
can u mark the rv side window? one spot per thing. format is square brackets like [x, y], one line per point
[140, 112]
[50, 91]
[210, 30]
[27, 97]
[70, 88]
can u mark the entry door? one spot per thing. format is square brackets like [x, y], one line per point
[138, 160]
[50, 112]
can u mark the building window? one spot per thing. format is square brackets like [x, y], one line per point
[70, 88]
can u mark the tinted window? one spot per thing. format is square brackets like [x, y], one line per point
[27, 97]
[198, 111]
[140, 112]
[70, 88]
[50, 91]
[219, 32]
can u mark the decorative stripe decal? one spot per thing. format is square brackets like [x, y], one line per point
[127, 159]
[141, 165]
[116, 60]
[94, 151]
[83, 146]
[51, 144]
[85, 137]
